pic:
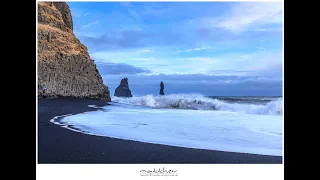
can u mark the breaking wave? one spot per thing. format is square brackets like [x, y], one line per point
[200, 102]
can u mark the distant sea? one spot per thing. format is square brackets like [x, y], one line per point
[247, 99]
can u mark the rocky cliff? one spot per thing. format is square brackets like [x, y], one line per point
[123, 89]
[64, 64]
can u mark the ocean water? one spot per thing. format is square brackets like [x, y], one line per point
[234, 124]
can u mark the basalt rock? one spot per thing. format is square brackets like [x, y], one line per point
[64, 64]
[123, 89]
[161, 88]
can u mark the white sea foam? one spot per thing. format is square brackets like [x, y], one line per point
[199, 102]
[216, 130]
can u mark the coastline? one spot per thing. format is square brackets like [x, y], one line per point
[62, 146]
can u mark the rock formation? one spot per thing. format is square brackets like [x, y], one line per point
[64, 64]
[123, 89]
[161, 88]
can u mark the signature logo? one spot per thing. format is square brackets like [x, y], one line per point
[159, 172]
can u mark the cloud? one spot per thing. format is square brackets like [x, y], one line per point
[215, 34]
[135, 38]
[148, 9]
[125, 4]
[119, 68]
[77, 13]
[270, 69]
[134, 14]
[157, 62]
[163, 40]
[139, 25]
[111, 41]
[123, 56]
[89, 24]
[246, 15]
[196, 39]
[267, 71]
[193, 49]
[259, 63]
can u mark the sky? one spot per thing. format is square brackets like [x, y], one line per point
[209, 48]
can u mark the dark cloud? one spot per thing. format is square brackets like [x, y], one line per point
[119, 68]
[175, 37]
[110, 41]
[131, 39]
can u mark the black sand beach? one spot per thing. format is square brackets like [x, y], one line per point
[61, 146]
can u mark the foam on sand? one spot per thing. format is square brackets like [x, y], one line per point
[215, 130]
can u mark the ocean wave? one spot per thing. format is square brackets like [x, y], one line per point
[200, 102]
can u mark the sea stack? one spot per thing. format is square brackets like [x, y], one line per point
[161, 88]
[123, 89]
[64, 65]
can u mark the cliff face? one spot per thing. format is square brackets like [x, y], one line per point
[64, 64]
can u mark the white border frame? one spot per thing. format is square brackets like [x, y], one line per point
[129, 171]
